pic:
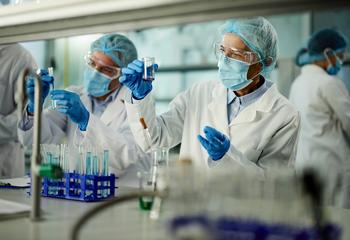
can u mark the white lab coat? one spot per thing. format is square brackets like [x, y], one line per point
[324, 104]
[263, 135]
[110, 131]
[13, 59]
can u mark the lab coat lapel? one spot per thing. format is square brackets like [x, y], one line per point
[217, 109]
[115, 108]
[263, 104]
[86, 101]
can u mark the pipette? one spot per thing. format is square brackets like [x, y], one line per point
[149, 143]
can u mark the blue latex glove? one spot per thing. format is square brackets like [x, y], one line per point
[132, 78]
[46, 80]
[216, 143]
[70, 104]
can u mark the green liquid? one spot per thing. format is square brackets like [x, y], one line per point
[145, 203]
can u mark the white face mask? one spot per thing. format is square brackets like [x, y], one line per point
[233, 73]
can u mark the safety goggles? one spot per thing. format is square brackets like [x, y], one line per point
[236, 54]
[99, 65]
[329, 53]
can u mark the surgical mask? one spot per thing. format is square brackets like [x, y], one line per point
[233, 73]
[331, 69]
[96, 83]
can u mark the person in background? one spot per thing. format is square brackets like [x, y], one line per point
[239, 121]
[13, 59]
[94, 114]
[324, 104]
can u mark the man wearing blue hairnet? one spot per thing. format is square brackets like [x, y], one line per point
[241, 120]
[324, 104]
[94, 114]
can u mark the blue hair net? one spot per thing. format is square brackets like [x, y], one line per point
[259, 35]
[318, 42]
[118, 47]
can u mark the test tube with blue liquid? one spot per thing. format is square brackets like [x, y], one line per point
[88, 168]
[149, 71]
[105, 170]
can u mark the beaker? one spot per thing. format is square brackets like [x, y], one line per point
[145, 184]
[160, 157]
[148, 71]
[53, 105]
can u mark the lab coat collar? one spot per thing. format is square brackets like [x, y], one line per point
[114, 108]
[312, 69]
[218, 108]
[218, 105]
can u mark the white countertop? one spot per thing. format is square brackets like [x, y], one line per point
[125, 221]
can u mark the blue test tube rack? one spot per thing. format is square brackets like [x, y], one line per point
[80, 187]
[227, 228]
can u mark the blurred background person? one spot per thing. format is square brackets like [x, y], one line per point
[13, 59]
[324, 104]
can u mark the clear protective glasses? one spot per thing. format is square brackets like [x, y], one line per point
[329, 53]
[235, 54]
[108, 70]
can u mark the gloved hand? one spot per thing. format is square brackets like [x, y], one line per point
[216, 143]
[46, 80]
[132, 78]
[70, 104]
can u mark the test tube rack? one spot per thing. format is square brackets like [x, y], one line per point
[80, 187]
[227, 228]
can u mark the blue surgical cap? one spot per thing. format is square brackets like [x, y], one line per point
[318, 42]
[116, 46]
[259, 35]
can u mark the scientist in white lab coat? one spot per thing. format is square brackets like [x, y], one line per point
[239, 121]
[94, 114]
[324, 104]
[13, 59]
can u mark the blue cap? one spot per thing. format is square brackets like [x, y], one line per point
[116, 46]
[318, 42]
[259, 35]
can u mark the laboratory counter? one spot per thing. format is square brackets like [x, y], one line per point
[125, 221]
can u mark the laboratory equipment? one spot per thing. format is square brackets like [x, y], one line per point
[148, 71]
[236, 204]
[132, 77]
[145, 184]
[150, 145]
[86, 174]
[160, 156]
[227, 228]
[53, 104]
[37, 169]
[148, 180]
[72, 106]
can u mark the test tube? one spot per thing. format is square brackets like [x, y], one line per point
[105, 171]
[105, 163]
[153, 176]
[149, 71]
[145, 203]
[88, 163]
[63, 157]
[81, 159]
[53, 105]
[95, 164]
